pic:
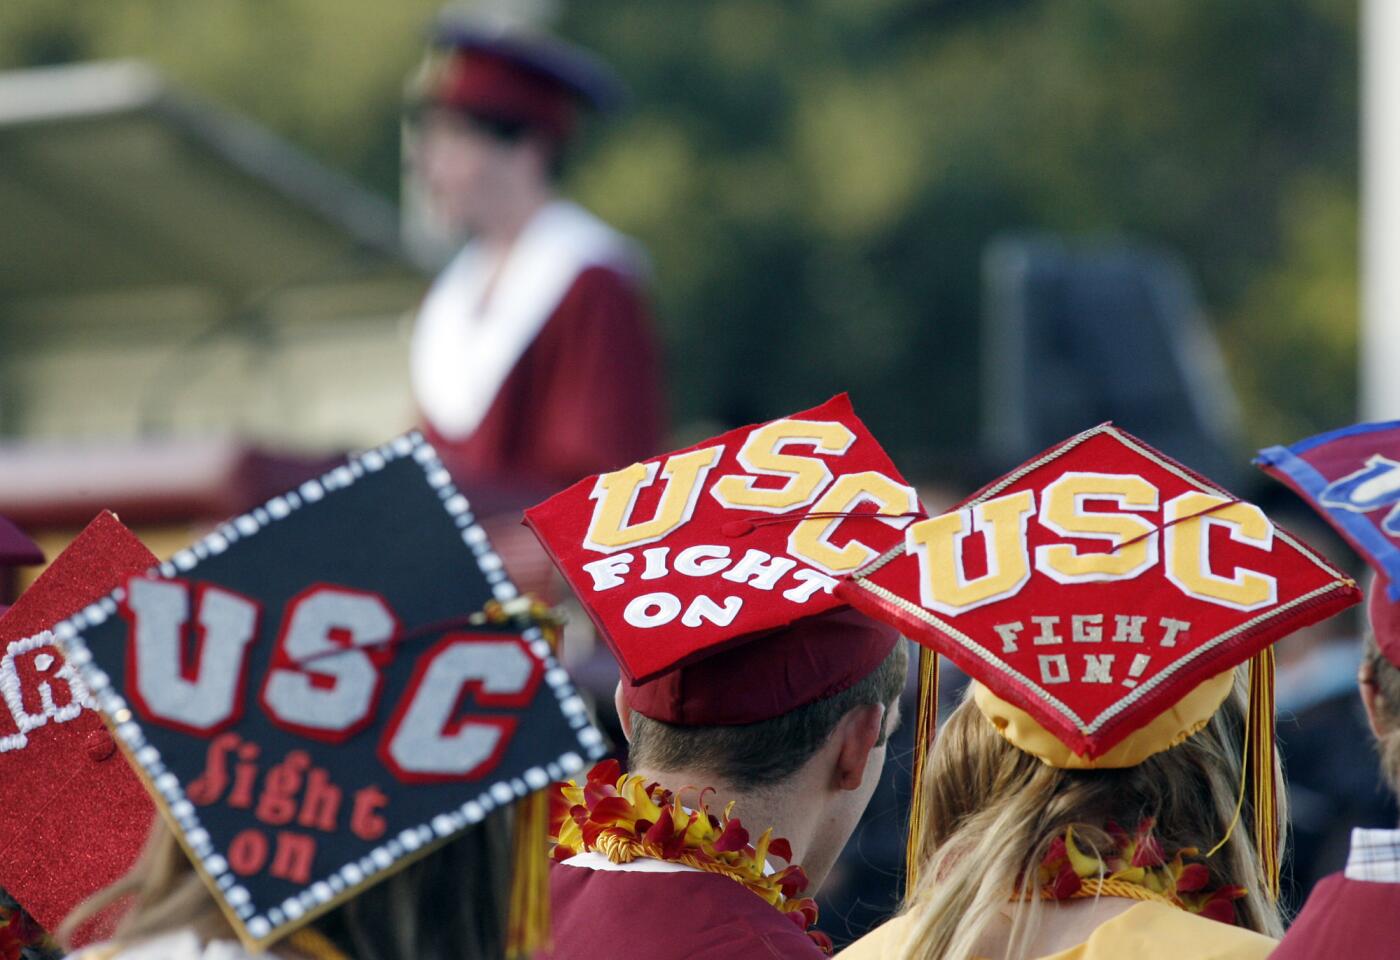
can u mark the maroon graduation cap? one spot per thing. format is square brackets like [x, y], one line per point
[1351, 477]
[710, 571]
[73, 816]
[517, 76]
[312, 696]
[16, 549]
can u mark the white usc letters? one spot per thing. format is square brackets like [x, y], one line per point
[808, 481]
[1133, 544]
[200, 691]
[325, 677]
[427, 742]
[332, 696]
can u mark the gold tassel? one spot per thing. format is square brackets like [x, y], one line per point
[310, 942]
[926, 727]
[1262, 767]
[528, 926]
[527, 931]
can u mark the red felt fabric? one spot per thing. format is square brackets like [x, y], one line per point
[585, 397]
[1355, 919]
[698, 916]
[73, 816]
[500, 88]
[770, 674]
[741, 685]
[1089, 716]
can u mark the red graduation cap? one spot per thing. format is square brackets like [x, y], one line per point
[517, 76]
[1097, 585]
[1100, 596]
[73, 816]
[710, 571]
[1351, 477]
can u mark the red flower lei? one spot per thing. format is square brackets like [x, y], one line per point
[1136, 867]
[616, 814]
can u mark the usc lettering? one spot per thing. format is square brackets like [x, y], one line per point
[808, 481]
[1132, 542]
[324, 680]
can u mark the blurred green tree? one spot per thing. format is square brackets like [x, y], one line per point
[816, 180]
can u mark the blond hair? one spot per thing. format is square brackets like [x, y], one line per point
[1386, 677]
[993, 811]
[449, 905]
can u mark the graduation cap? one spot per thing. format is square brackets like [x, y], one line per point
[710, 571]
[1100, 596]
[1351, 477]
[311, 700]
[507, 73]
[73, 816]
[16, 549]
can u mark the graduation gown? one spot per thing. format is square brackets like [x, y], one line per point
[539, 369]
[1356, 919]
[663, 911]
[1147, 931]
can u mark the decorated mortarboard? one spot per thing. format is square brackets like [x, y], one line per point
[310, 694]
[73, 815]
[710, 572]
[505, 72]
[1351, 477]
[1100, 596]
[16, 549]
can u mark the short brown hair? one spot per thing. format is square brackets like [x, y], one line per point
[768, 752]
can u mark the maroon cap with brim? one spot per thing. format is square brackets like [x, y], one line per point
[769, 674]
[16, 549]
[710, 572]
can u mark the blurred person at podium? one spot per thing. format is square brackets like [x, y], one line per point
[534, 355]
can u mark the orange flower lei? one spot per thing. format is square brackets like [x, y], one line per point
[616, 814]
[1138, 868]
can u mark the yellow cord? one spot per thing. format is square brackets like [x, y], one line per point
[924, 730]
[1108, 887]
[310, 942]
[1257, 771]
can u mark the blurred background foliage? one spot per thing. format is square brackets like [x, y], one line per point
[816, 180]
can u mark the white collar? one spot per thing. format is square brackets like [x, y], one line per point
[461, 352]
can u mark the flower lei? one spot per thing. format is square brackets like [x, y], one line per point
[1138, 868]
[618, 815]
[20, 937]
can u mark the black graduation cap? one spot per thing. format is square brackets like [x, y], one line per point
[310, 700]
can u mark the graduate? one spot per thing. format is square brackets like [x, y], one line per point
[344, 715]
[534, 356]
[756, 705]
[1352, 478]
[1108, 786]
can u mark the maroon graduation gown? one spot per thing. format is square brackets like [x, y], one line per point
[599, 914]
[1354, 919]
[584, 397]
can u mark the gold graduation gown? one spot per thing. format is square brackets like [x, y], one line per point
[1147, 931]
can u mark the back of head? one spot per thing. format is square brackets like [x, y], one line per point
[765, 753]
[994, 811]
